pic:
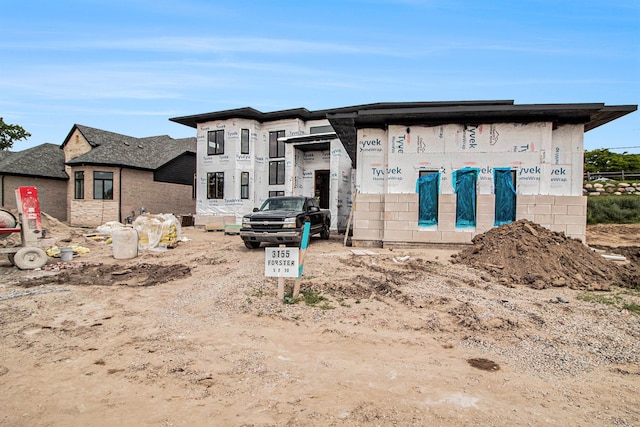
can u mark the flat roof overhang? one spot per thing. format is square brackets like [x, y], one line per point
[304, 114]
[311, 142]
[346, 120]
[591, 116]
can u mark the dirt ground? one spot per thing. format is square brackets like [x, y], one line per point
[524, 327]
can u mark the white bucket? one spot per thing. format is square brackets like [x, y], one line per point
[124, 242]
[66, 254]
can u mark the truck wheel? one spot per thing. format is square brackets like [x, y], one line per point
[251, 245]
[324, 233]
[30, 258]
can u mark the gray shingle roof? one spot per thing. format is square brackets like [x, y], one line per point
[45, 160]
[121, 150]
[4, 154]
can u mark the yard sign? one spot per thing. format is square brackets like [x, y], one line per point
[281, 262]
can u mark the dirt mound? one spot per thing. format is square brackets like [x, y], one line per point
[143, 274]
[526, 253]
[383, 277]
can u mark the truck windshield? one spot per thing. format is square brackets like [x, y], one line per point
[283, 204]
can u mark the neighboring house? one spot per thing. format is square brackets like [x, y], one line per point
[41, 166]
[115, 177]
[424, 172]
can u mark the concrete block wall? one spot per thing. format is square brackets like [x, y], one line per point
[485, 213]
[368, 220]
[564, 214]
[392, 219]
[447, 212]
[400, 218]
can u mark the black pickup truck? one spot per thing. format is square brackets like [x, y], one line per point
[281, 220]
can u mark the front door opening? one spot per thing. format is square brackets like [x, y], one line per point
[321, 190]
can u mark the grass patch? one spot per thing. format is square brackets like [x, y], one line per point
[311, 298]
[613, 210]
[259, 293]
[342, 302]
[632, 307]
[616, 299]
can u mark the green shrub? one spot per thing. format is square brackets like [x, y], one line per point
[613, 210]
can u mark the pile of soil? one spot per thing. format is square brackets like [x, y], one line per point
[132, 274]
[526, 253]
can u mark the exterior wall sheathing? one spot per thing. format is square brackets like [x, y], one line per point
[300, 167]
[546, 163]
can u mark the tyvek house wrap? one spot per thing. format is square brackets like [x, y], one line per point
[546, 161]
[232, 163]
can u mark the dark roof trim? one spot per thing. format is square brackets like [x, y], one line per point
[304, 114]
[309, 138]
[590, 115]
[77, 164]
[608, 114]
[28, 175]
[346, 120]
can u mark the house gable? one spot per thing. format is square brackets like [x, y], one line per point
[75, 144]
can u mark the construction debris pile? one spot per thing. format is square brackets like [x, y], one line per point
[526, 253]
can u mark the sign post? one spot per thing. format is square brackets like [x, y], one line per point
[303, 250]
[281, 262]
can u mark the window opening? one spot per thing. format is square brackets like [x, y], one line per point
[103, 185]
[244, 141]
[78, 191]
[504, 181]
[244, 185]
[276, 172]
[215, 185]
[428, 188]
[464, 186]
[276, 148]
[215, 142]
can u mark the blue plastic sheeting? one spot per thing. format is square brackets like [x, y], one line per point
[427, 188]
[464, 186]
[505, 196]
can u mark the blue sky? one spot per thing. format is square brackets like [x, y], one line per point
[127, 66]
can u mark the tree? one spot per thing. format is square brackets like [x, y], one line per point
[11, 133]
[602, 160]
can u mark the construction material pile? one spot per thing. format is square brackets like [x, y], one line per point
[155, 231]
[526, 253]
